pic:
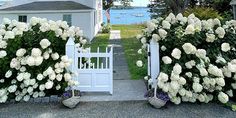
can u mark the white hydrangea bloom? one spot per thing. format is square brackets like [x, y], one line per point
[35, 95]
[26, 98]
[55, 56]
[67, 76]
[189, 74]
[38, 61]
[59, 77]
[190, 64]
[20, 52]
[231, 67]
[223, 98]
[3, 54]
[201, 98]
[216, 21]
[139, 63]
[190, 29]
[201, 53]
[58, 87]
[162, 33]
[36, 52]
[42, 87]
[31, 61]
[166, 24]
[3, 99]
[177, 69]
[220, 32]
[230, 93]
[46, 55]
[163, 48]
[214, 70]
[3, 44]
[175, 85]
[34, 21]
[140, 51]
[176, 53]
[210, 37]
[220, 81]
[182, 81]
[44, 43]
[220, 59]
[156, 37]
[6, 21]
[197, 87]
[12, 88]
[167, 60]
[189, 48]
[225, 47]
[49, 84]
[8, 74]
[176, 100]
[163, 77]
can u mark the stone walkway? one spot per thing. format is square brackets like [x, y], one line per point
[124, 88]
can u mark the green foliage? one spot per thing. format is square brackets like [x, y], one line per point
[106, 28]
[203, 13]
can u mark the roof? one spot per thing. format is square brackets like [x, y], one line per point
[48, 5]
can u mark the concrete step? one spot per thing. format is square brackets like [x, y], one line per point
[123, 90]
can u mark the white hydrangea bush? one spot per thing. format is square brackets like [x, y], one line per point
[197, 57]
[32, 58]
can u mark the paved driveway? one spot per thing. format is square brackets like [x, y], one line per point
[129, 109]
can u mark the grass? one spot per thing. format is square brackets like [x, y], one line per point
[131, 46]
[101, 41]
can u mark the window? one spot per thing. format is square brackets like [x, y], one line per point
[22, 18]
[67, 18]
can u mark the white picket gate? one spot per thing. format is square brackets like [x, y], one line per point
[153, 62]
[97, 74]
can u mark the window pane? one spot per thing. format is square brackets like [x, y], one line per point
[67, 18]
[22, 19]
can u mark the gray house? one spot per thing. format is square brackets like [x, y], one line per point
[86, 14]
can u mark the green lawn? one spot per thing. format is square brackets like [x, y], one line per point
[101, 41]
[131, 46]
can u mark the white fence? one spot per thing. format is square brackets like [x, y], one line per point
[153, 62]
[94, 69]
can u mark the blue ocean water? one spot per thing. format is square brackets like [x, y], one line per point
[129, 16]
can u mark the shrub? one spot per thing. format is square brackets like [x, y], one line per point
[106, 28]
[203, 13]
[32, 58]
[198, 59]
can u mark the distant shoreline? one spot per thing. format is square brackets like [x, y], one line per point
[132, 7]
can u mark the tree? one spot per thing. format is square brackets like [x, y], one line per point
[160, 7]
[220, 5]
[107, 4]
[126, 3]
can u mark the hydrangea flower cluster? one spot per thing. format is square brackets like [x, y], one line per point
[197, 57]
[32, 58]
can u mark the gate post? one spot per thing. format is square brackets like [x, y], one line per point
[154, 62]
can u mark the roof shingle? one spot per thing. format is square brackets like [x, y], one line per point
[48, 5]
